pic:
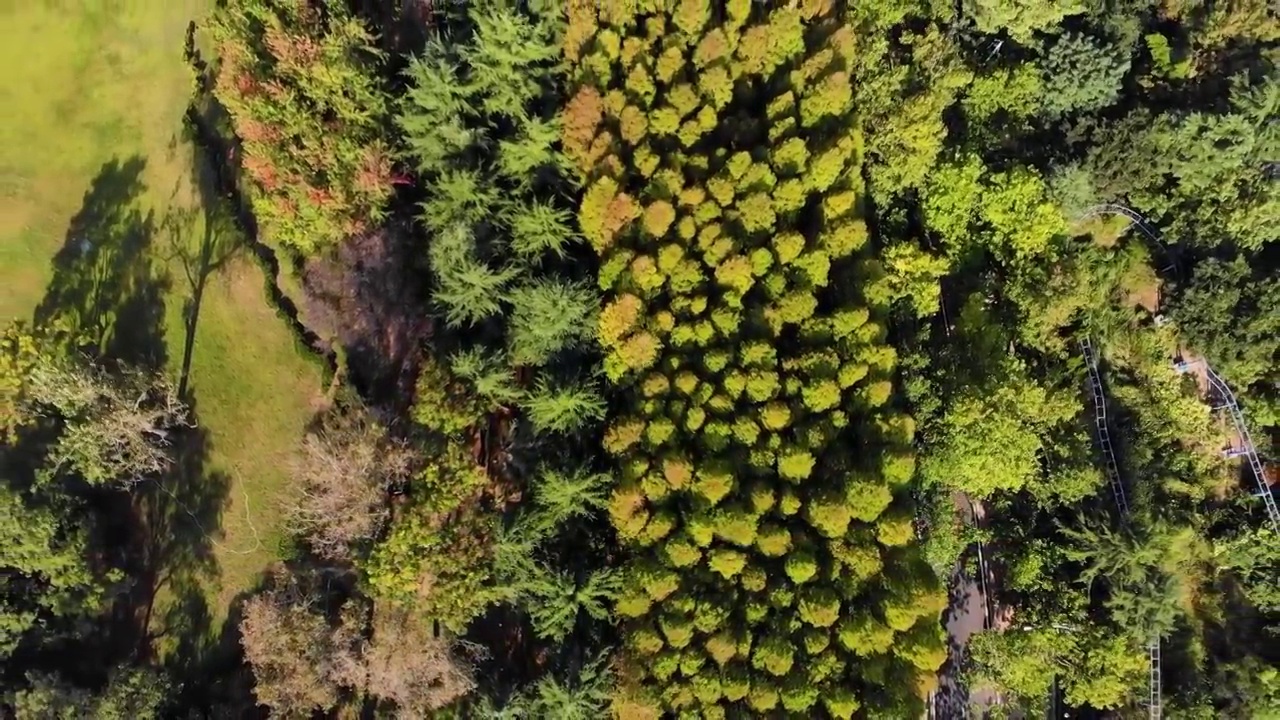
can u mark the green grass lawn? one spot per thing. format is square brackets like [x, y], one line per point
[102, 223]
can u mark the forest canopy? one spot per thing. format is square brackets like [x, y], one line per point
[696, 360]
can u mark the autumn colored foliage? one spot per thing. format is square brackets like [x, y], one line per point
[762, 462]
[301, 84]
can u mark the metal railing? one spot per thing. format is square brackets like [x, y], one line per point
[1136, 218]
[1112, 469]
[988, 616]
[1225, 398]
[1122, 503]
[1222, 398]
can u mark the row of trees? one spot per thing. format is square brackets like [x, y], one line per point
[503, 527]
[762, 464]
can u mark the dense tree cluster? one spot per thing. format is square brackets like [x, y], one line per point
[303, 661]
[484, 136]
[990, 157]
[489, 523]
[727, 309]
[300, 83]
[75, 439]
[762, 461]
[67, 423]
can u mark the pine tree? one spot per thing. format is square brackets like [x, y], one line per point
[549, 316]
[468, 289]
[564, 407]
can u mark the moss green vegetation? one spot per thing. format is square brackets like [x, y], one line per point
[108, 221]
[88, 86]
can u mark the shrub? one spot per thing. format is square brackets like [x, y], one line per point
[301, 86]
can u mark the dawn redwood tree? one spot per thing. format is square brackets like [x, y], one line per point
[722, 174]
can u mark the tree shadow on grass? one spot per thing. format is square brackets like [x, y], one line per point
[174, 520]
[210, 674]
[107, 288]
[177, 526]
[202, 241]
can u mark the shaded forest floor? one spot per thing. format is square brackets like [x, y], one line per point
[108, 221]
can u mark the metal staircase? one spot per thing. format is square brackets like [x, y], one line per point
[1222, 399]
[1153, 683]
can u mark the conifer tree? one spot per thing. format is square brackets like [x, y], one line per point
[742, 370]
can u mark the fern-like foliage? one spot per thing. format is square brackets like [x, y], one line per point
[548, 316]
[459, 196]
[563, 495]
[467, 289]
[520, 158]
[489, 374]
[557, 600]
[507, 45]
[432, 114]
[584, 697]
[539, 228]
[564, 407]
[552, 603]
